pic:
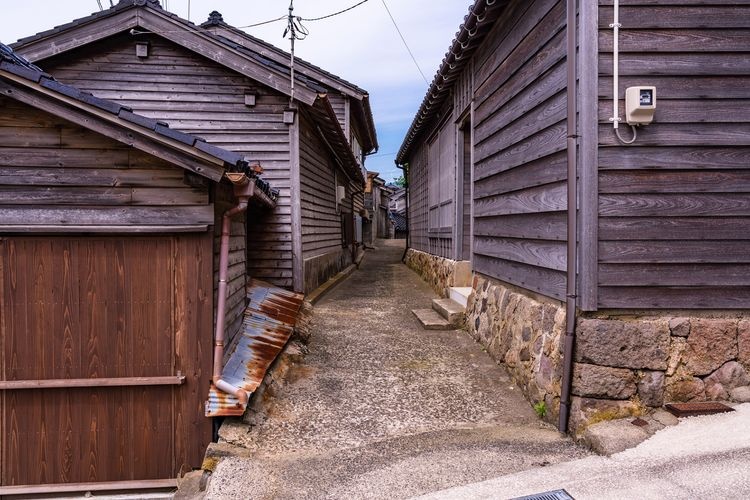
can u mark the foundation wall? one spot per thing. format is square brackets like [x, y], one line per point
[440, 273]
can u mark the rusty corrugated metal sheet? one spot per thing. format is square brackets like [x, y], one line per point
[268, 323]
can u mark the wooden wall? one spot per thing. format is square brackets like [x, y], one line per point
[321, 213]
[674, 208]
[418, 209]
[94, 307]
[199, 96]
[52, 172]
[519, 148]
[340, 104]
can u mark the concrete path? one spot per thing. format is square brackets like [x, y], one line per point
[380, 408]
[701, 458]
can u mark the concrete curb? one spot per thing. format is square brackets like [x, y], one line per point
[329, 285]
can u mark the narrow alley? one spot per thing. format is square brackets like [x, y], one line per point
[380, 408]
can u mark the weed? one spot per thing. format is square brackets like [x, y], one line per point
[541, 409]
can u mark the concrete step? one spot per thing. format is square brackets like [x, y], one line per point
[460, 294]
[452, 311]
[431, 320]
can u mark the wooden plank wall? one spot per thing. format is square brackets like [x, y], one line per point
[418, 209]
[519, 148]
[199, 96]
[674, 208]
[321, 225]
[339, 104]
[52, 171]
[93, 307]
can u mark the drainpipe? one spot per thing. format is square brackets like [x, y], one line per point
[572, 253]
[243, 190]
[354, 228]
[406, 194]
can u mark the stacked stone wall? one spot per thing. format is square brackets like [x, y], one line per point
[440, 273]
[624, 365]
[523, 333]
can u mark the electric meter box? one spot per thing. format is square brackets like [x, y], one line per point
[640, 104]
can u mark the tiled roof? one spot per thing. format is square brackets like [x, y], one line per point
[477, 24]
[399, 220]
[19, 66]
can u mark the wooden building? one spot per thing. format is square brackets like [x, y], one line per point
[107, 304]
[514, 164]
[377, 199]
[235, 91]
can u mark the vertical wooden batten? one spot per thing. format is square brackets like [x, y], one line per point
[588, 165]
[296, 206]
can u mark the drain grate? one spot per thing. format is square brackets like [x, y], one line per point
[695, 409]
[548, 495]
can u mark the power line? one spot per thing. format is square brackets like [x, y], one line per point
[280, 18]
[334, 14]
[405, 44]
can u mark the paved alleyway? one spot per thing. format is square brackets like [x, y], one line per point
[380, 408]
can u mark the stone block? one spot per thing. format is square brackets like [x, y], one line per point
[623, 344]
[740, 394]
[677, 348]
[679, 327]
[608, 438]
[730, 375]
[743, 342]
[588, 411]
[716, 392]
[603, 382]
[712, 342]
[685, 389]
[651, 388]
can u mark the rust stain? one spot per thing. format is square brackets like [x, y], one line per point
[267, 326]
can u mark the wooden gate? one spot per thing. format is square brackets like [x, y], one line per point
[102, 363]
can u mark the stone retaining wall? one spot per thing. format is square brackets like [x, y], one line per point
[524, 334]
[440, 273]
[623, 365]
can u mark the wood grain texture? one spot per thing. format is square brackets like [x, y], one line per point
[91, 308]
[199, 96]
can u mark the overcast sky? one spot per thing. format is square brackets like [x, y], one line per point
[360, 45]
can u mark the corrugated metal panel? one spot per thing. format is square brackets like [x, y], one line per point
[266, 328]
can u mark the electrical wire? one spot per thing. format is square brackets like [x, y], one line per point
[405, 44]
[100, 5]
[334, 14]
[280, 18]
[631, 141]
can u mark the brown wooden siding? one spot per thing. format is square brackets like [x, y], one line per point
[674, 208]
[519, 148]
[196, 95]
[82, 307]
[339, 103]
[53, 172]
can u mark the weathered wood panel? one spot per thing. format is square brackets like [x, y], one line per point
[322, 248]
[197, 95]
[673, 207]
[92, 180]
[93, 308]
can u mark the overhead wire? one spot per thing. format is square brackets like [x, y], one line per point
[333, 14]
[405, 44]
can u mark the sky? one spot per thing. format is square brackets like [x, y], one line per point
[361, 45]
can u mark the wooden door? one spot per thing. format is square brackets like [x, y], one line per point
[101, 310]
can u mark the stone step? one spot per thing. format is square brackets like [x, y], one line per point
[431, 320]
[460, 294]
[452, 311]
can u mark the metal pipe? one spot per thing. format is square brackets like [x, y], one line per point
[241, 183]
[572, 247]
[615, 119]
[406, 194]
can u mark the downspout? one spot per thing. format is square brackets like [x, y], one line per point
[354, 228]
[406, 187]
[243, 190]
[572, 251]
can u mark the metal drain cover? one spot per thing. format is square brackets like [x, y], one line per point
[548, 495]
[694, 409]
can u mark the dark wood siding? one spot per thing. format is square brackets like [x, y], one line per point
[88, 308]
[196, 95]
[53, 172]
[674, 208]
[340, 104]
[418, 181]
[519, 148]
[321, 213]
